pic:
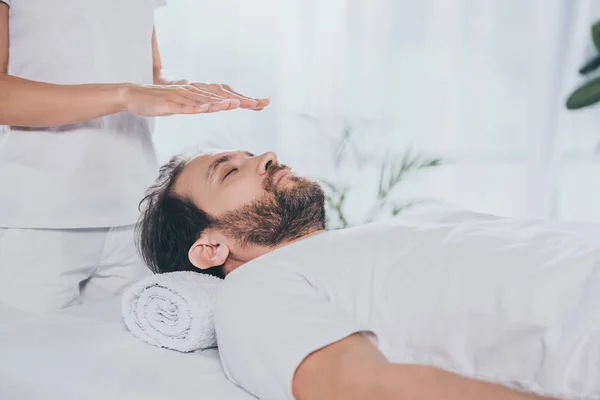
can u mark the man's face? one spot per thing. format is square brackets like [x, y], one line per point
[253, 199]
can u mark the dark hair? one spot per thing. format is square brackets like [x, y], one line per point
[170, 224]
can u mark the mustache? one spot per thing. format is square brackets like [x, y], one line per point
[268, 182]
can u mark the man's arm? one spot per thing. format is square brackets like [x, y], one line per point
[354, 368]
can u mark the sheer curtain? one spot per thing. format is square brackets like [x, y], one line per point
[479, 83]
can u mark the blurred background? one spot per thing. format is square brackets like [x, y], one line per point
[398, 103]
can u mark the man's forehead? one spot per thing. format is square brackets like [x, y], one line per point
[196, 168]
[184, 182]
[203, 160]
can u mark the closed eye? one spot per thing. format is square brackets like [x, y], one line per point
[231, 171]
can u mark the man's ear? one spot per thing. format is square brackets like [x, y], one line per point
[207, 253]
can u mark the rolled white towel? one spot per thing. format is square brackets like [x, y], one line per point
[172, 310]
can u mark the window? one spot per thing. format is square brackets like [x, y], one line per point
[481, 84]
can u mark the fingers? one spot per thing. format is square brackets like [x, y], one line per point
[225, 91]
[245, 102]
[185, 106]
[262, 103]
[185, 99]
[193, 96]
[178, 106]
[162, 100]
[212, 96]
[218, 103]
[223, 105]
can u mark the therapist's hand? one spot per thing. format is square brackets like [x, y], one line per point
[162, 100]
[226, 92]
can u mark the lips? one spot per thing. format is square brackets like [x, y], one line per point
[279, 176]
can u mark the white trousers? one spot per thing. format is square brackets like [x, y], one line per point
[45, 270]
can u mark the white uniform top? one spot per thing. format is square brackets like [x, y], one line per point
[94, 173]
[513, 302]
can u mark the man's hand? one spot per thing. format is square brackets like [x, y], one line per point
[354, 368]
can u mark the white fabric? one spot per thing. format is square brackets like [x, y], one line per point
[94, 173]
[86, 353]
[43, 270]
[5, 1]
[509, 301]
[270, 331]
[173, 310]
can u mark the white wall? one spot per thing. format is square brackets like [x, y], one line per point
[480, 83]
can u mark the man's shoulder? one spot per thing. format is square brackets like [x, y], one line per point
[257, 289]
[256, 278]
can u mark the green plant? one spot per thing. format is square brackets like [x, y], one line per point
[393, 170]
[588, 93]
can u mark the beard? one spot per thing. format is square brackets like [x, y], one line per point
[279, 216]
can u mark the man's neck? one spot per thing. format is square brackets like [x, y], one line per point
[311, 233]
[234, 261]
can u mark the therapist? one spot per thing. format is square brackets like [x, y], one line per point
[79, 84]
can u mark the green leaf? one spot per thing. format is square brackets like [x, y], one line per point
[590, 65]
[380, 190]
[435, 162]
[399, 208]
[596, 35]
[342, 146]
[584, 96]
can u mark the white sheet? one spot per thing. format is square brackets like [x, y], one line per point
[86, 353]
[510, 301]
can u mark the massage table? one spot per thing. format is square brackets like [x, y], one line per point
[86, 353]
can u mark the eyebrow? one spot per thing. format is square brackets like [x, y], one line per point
[214, 166]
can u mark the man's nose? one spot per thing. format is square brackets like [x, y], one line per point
[266, 161]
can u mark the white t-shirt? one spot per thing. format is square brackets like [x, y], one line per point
[94, 173]
[507, 301]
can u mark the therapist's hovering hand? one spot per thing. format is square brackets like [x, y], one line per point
[184, 97]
